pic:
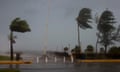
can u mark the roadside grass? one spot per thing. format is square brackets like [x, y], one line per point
[9, 70]
[4, 58]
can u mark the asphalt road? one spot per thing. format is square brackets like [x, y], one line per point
[68, 67]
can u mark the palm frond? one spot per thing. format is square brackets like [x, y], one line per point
[84, 17]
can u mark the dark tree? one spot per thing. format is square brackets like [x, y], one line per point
[17, 25]
[83, 21]
[90, 48]
[66, 49]
[76, 50]
[108, 33]
[114, 52]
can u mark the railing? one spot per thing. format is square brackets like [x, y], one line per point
[54, 59]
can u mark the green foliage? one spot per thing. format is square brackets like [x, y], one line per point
[106, 29]
[106, 22]
[83, 18]
[9, 70]
[90, 48]
[116, 36]
[89, 51]
[76, 50]
[4, 58]
[114, 50]
[102, 51]
[66, 49]
[19, 25]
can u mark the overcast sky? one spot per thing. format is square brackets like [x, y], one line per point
[62, 27]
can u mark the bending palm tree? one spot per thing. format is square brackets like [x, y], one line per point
[83, 21]
[17, 25]
[106, 28]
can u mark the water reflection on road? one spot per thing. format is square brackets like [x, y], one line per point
[69, 67]
[83, 67]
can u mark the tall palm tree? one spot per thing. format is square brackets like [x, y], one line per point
[83, 21]
[106, 28]
[17, 25]
[97, 34]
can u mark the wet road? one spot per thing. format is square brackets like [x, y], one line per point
[68, 67]
[60, 66]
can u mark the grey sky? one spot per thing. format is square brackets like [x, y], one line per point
[62, 27]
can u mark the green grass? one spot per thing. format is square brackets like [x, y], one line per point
[9, 70]
[4, 58]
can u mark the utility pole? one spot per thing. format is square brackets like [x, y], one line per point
[46, 31]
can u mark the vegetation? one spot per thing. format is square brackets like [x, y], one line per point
[114, 52]
[61, 54]
[76, 52]
[17, 25]
[83, 21]
[108, 33]
[4, 58]
[66, 49]
[89, 52]
[90, 48]
[9, 70]
[102, 51]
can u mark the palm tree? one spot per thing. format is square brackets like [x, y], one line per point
[106, 28]
[97, 34]
[17, 25]
[83, 21]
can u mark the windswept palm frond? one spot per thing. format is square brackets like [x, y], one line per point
[83, 18]
[19, 25]
[107, 29]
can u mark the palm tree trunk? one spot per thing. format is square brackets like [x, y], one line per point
[11, 46]
[79, 38]
[96, 47]
[96, 44]
[11, 49]
[105, 50]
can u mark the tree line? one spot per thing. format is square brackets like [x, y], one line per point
[108, 31]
